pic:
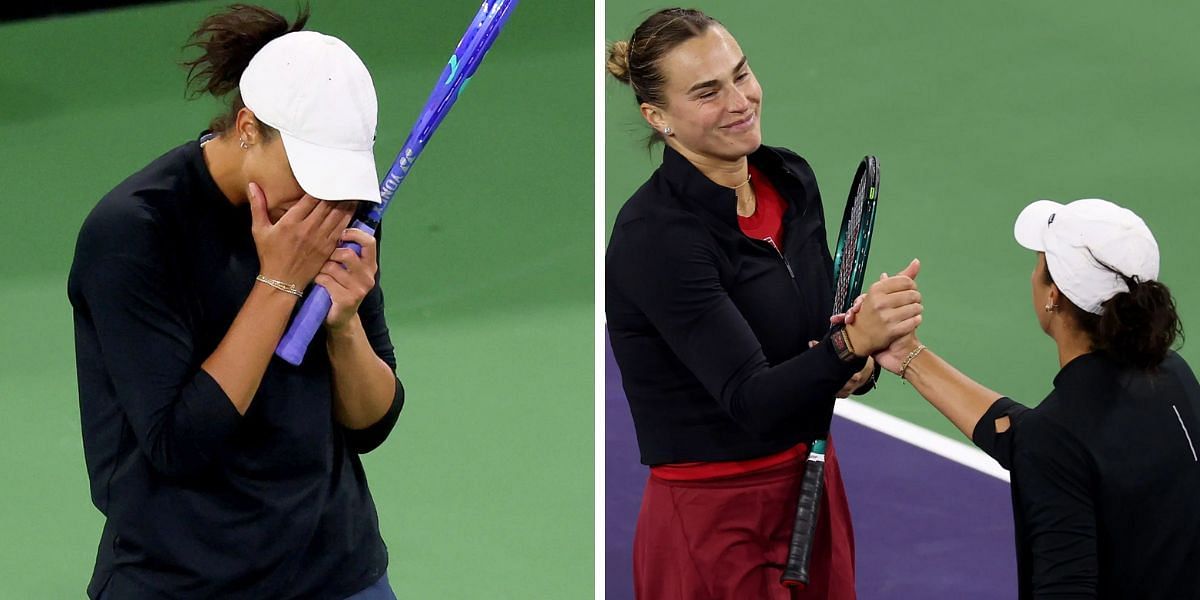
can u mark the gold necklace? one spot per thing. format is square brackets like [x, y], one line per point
[738, 195]
[740, 185]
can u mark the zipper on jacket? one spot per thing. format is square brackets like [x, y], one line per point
[771, 243]
[787, 264]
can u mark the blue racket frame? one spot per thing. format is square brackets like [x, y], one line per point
[468, 54]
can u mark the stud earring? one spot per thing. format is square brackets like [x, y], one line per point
[244, 145]
[1051, 307]
[666, 131]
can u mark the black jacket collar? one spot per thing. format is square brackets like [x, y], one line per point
[687, 182]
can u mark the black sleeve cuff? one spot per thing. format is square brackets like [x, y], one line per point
[362, 441]
[870, 384]
[831, 343]
[214, 417]
[998, 445]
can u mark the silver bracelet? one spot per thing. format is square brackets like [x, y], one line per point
[281, 286]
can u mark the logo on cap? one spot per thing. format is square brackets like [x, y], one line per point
[1050, 220]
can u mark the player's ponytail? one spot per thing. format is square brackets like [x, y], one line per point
[1135, 328]
[227, 41]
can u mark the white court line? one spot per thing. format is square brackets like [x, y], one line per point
[920, 437]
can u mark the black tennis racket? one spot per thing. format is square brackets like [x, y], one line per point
[849, 269]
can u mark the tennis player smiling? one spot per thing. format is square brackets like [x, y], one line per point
[718, 277]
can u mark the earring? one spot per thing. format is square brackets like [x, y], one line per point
[244, 145]
[1051, 307]
[666, 131]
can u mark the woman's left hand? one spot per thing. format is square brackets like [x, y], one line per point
[848, 316]
[857, 380]
[349, 277]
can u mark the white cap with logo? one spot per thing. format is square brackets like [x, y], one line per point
[316, 91]
[1089, 244]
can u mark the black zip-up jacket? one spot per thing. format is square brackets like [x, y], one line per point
[710, 328]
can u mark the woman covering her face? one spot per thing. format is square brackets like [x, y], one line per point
[223, 472]
[719, 295]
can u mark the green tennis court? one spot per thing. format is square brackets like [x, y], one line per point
[485, 486]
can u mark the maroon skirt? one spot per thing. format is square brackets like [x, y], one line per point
[727, 538]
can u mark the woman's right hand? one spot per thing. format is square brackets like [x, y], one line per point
[294, 248]
[892, 358]
[891, 309]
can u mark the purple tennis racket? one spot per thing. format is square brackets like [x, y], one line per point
[469, 52]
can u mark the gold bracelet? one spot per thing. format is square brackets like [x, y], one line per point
[289, 288]
[846, 338]
[908, 360]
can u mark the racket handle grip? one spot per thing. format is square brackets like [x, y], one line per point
[304, 326]
[312, 314]
[808, 508]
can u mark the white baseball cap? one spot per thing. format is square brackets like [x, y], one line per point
[316, 91]
[1089, 244]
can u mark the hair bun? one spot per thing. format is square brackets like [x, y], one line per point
[1138, 327]
[228, 40]
[618, 61]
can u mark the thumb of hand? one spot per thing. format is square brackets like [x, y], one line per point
[912, 269]
[258, 207]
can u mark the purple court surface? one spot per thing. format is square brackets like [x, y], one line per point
[925, 527]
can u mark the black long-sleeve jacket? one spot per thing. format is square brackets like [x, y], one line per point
[199, 500]
[711, 328]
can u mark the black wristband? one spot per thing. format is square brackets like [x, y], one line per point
[841, 346]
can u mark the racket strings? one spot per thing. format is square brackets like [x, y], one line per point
[847, 263]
